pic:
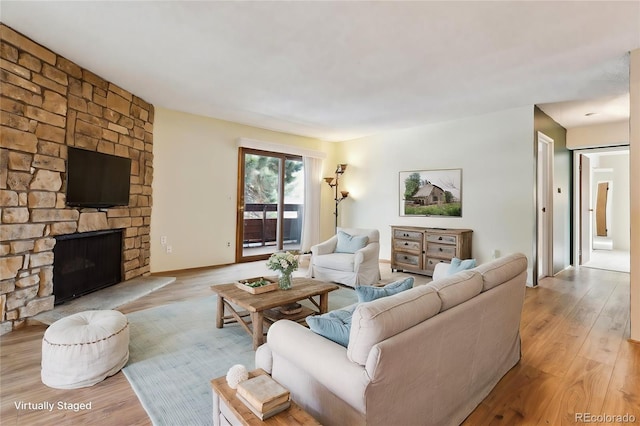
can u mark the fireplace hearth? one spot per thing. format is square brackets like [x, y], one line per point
[86, 262]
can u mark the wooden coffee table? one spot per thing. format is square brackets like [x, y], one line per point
[260, 308]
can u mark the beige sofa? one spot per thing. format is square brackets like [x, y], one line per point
[426, 356]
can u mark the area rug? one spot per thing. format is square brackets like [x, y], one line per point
[107, 298]
[175, 351]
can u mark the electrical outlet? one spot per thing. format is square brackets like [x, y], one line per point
[169, 249]
[163, 240]
[228, 244]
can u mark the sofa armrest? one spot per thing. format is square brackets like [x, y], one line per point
[264, 358]
[365, 254]
[325, 247]
[323, 360]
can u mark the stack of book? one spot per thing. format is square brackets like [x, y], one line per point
[263, 396]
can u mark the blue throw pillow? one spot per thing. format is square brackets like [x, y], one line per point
[350, 243]
[334, 325]
[367, 293]
[458, 265]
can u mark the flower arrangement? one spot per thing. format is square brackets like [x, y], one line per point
[284, 262]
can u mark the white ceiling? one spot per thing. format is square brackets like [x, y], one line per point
[341, 70]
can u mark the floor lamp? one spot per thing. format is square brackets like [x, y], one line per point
[333, 183]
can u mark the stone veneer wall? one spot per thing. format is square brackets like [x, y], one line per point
[49, 103]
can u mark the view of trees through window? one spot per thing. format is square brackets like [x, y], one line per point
[261, 179]
[272, 218]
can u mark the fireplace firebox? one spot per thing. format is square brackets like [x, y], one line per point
[86, 262]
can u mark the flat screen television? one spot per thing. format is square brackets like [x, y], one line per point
[97, 180]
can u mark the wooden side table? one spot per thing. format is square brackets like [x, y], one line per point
[229, 410]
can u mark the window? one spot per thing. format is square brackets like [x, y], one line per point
[270, 203]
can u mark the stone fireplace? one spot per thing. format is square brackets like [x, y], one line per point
[49, 103]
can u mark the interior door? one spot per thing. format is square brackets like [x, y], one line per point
[544, 206]
[585, 209]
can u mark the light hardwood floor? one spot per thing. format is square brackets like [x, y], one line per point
[575, 357]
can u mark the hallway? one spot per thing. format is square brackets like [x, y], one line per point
[610, 260]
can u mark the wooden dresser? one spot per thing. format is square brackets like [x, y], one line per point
[416, 249]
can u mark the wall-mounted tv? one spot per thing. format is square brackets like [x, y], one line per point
[97, 180]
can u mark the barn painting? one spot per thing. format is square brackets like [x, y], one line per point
[431, 193]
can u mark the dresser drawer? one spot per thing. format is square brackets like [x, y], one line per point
[407, 259]
[418, 250]
[407, 235]
[431, 264]
[441, 250]
[408, 245]
[442, 239]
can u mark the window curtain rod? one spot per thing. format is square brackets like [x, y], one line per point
[280, 148]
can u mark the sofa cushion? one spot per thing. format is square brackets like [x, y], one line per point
[372, 234]
[337, 261]
[456, 289]
[367, 293]
[501, 270]
[334, 325]
[375, 321]
[348, 243]
[458, 265]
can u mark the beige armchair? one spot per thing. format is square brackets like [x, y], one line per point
[350, 257]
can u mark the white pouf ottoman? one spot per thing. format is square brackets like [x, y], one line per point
[85, 348]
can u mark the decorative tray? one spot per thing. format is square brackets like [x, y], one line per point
[291, 309]
[271, 284]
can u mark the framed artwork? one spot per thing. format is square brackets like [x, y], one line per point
[431, 193]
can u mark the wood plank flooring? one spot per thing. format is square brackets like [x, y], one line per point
[576, 357]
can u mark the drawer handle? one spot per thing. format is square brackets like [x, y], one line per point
[440, 238]
[406, 258]
[406, 244]
[440, 249]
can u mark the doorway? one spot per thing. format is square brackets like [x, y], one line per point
[602, 208]
[544, 206]
[270, 204]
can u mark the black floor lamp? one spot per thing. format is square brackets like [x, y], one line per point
[333, 183]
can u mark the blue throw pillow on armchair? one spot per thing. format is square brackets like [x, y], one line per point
[334, 325]
[350, 243]
[458, 265]
[367, 293]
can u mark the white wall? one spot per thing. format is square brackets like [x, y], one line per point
[195, 187]
[598, 135]
[634, 167]
[561, 211]
[495, 153]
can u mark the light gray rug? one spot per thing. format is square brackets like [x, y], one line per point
[175, 350]
[107, 298]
